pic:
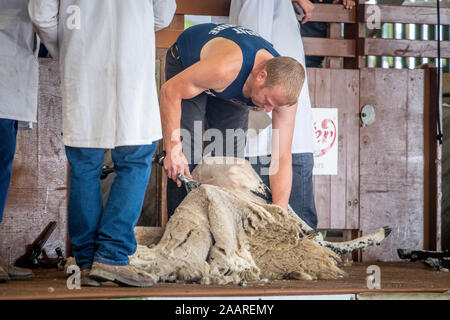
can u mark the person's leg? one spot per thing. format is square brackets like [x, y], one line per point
[301, 199]
[260, 165]
[192, 117]
[302, 193]
[231, 122]
[85, 202]
[8, 134]
[116, 240]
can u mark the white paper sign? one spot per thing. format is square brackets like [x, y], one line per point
[325, 126]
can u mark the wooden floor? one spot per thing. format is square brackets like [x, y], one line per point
[411, 277]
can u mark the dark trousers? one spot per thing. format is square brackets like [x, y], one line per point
[8, 134]
[226, 123]
[301, 199]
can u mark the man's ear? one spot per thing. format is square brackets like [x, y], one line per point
[262, 75]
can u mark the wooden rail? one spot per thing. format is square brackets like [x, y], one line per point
[348, 51]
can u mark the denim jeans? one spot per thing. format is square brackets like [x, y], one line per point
[220, 115]
[8, 134]
[106, 234]
[301, 199]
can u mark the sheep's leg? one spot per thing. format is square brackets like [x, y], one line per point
[359, 243]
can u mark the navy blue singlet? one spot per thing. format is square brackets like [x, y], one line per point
[192, 40]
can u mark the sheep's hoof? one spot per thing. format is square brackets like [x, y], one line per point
[387, 231]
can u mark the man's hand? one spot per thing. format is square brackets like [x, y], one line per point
[348, 4]
[175, 163]
[308, 8]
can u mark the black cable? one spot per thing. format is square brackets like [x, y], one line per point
[438, 98]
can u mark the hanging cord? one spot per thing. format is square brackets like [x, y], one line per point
[438, 98]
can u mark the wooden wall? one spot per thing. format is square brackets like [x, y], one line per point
[446, 165]
[337, 197]
[38, 192]
[392, 157]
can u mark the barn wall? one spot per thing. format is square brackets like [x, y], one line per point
[392, 175]
[445, 231]
[38, 191]
[337, 197]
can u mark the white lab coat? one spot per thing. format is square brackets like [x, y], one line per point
[276, 22]
[106, 51]
[19, 67]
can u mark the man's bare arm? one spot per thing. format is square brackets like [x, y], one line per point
[283, 123]
[209, 73]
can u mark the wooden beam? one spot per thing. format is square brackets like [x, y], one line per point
[404, 48]
[313, 46]
[404, 14]
[333, 13]
[329, 47]
[204, 7]
[322, 12]
[167, 37]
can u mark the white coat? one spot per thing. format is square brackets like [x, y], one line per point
[276, 22]
[106, 52]
[19, 67]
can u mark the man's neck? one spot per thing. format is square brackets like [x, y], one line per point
[262, 56]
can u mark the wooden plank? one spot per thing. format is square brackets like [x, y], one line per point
[344, 213]
[322, 186]
[39, 185]
[165, 38]
[313, 46]
[344, 201]
[391, 160]
[334, 32]
[395, 277]
[430, 153]
[445, 222]
[355, 31]
[404, 48]
[333, 13]
[329, 47]
[202, 7]
[338, 188]
[404, 14]
[352, 126]
[322, 12]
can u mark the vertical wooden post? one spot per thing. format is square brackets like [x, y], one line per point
[334, 32]
[356, 31]
[430, 154]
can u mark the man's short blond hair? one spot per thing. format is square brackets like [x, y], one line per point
[289, 74]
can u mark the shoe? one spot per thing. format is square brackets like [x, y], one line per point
[87, 281]
[15, 273]
[3, 275]
[122, 275]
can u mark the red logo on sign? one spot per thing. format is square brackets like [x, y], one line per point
[325, 135]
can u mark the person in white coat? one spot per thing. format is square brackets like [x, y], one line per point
[276, 22]
[19, 73]
[106, 52]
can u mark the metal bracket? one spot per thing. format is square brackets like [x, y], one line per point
[367, 115]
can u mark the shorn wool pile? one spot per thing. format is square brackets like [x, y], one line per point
[224, 233]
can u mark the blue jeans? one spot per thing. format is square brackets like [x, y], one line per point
[302, 192]
[8, 134]
[106, 235]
